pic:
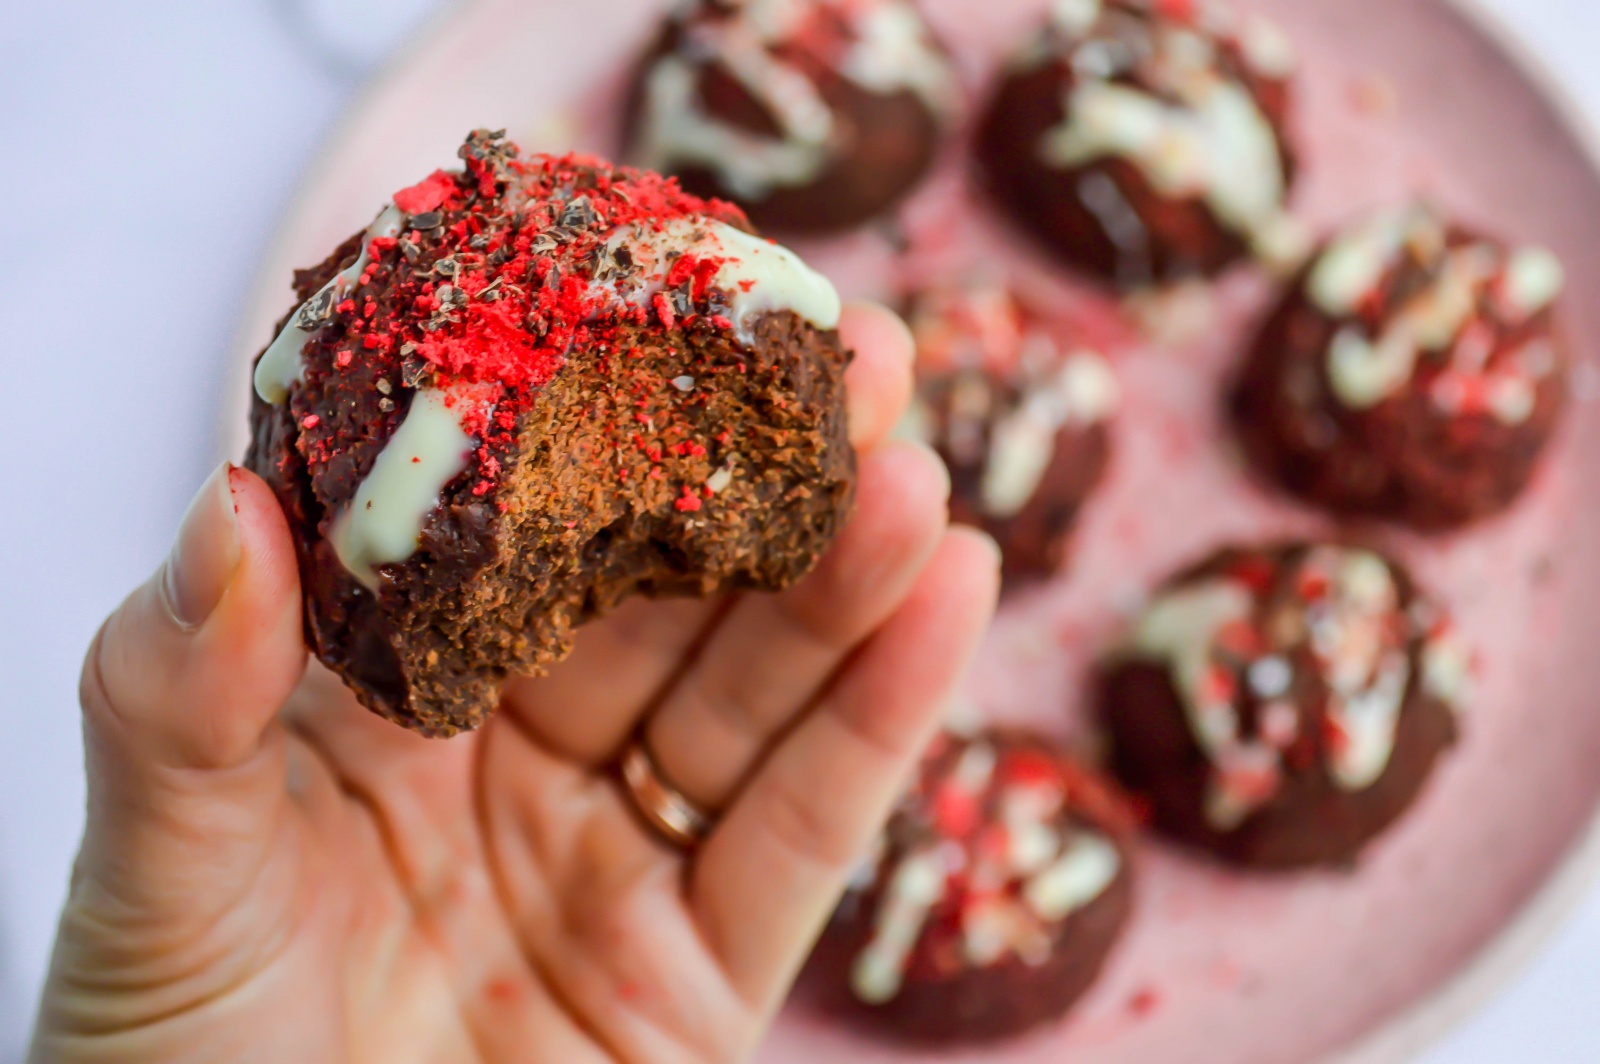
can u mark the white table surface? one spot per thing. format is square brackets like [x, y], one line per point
[145, 151]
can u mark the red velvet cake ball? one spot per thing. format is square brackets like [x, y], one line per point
[813, 115]
[1280, 706]
[1020, 415]
[1002, 882]
[1414, 372]
[1143, 141]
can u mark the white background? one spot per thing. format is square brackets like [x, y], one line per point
[145, 151]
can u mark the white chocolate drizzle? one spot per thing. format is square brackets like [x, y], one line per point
[756, 275]
[892, 52]
[1075, 17]
[1534, 278]
[282, 364]
[1367, 674]
[1011, 895]
[1022, 443]
[1199, 132]
[384, 521]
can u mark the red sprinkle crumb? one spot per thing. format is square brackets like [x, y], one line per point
[310, 421]
[664, 310]
[429, 194]
[687, 503]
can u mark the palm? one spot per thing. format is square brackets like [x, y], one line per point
[492, 901]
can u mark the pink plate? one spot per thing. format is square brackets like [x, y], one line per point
[1363, 966]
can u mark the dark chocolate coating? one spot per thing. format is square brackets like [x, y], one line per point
[1310, 820]
[946, 1001]
[1151, 238]
[1403, 459]
[885, 146]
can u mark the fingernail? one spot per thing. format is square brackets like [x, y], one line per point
[203, 559]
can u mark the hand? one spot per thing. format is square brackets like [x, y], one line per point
[270, 873]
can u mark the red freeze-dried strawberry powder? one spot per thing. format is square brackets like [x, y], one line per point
[506, 268]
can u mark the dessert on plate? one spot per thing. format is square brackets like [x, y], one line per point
[1413, 372]
[1143, 141]
[1279, 706]
[813, 115]
[1020, 414]
[999, 887]
[532, 388]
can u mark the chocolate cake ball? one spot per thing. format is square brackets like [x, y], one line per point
[530, 389]
[1280, 706]
[1143, 141]
[1413, 372]
[1001, 884]
[813, 115]
[1019, 414]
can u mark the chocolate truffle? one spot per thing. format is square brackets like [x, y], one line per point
[1280, 706]
[530, 389]
[1413, 373]
[1142, 141]
[814, 116]
[1001, 884]
[1019, 414]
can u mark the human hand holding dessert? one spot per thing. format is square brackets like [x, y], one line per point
[270, 872]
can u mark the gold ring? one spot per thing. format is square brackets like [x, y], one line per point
[674, 817]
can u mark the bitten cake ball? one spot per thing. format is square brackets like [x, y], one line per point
[1019, 414]
[528, 390]
[813, 115]
[1413, 372]
[1001, 884]
[1143, 140]
[1281, 706]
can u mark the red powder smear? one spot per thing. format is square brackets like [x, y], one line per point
[1029, 768]
[429, 194]
[1178, 10]
[1145, 1001]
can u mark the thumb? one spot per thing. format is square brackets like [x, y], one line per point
[180, 693]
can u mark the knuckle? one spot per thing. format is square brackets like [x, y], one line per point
[800, 822]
